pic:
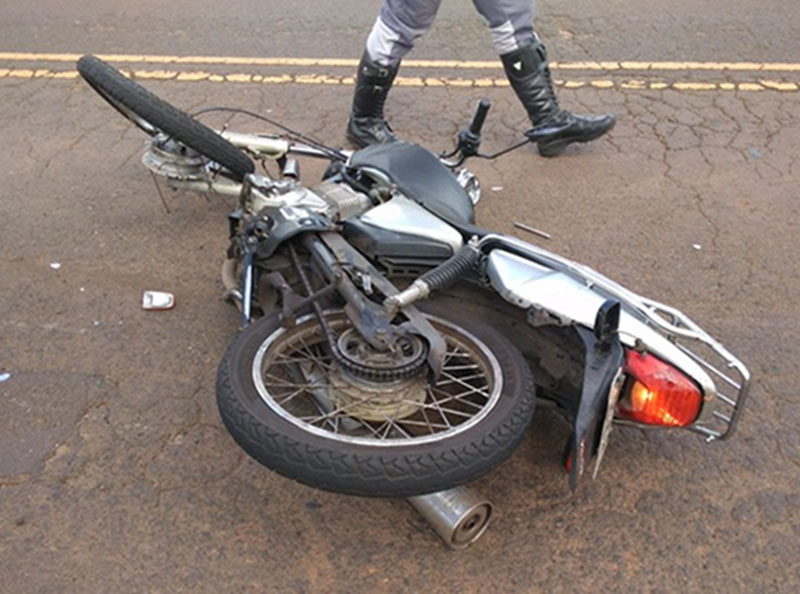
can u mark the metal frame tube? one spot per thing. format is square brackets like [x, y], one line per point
[275, 147]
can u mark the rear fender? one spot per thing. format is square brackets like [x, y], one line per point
[553, 297]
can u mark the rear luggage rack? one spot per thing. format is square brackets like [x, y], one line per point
[730, 376]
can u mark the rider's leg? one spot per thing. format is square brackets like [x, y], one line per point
[399, 25]
[525, 62]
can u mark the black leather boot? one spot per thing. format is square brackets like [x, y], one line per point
[367, 124]
[554, 128]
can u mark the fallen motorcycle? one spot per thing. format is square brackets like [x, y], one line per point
[391, 347]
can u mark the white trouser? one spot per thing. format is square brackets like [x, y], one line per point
[402, 22]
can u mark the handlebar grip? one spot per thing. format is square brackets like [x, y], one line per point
[480, 117]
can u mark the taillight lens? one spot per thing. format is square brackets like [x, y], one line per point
[658, 394]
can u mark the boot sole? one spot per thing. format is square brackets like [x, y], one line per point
[356, 143]
[555, 148]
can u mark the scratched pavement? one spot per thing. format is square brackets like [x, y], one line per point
[116, 473]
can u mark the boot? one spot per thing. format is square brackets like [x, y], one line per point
[553, 128]
[367, 124]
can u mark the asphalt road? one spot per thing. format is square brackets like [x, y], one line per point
[116, 473]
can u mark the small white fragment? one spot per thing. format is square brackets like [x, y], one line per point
[83, 289]
[55, 265]
[697, 246]
[96, 323]
[533, 230]
[157, 300]
[497, 188]
[5, 376]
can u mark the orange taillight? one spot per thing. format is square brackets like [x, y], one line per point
[657, 393]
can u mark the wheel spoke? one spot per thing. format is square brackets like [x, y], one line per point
[280, 382]
[300, 375]
[466, 378]
[394, 425]
[369, 427]
[293, 395]
[459, 395]
[460, 367]
[385, 433]
[427, 420]
[429, 425]
[458, 398]
[309, 355]
[334, 423]
[450, 354]
[472, 388]
[284, 360]
[438, 409]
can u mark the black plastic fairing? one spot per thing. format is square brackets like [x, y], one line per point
[376, 242]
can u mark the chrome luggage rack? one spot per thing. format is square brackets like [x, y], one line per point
[731, 377]
[732, 385]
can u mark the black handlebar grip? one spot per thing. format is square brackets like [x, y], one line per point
[480, 117]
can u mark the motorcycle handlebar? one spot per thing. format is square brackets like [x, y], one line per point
[480, 117]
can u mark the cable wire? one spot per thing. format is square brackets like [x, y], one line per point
[331, 152]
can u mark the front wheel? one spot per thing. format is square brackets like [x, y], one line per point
[296, 410]
[153, 115]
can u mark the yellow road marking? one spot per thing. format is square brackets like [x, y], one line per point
[650, 66]
[413, 81]
[702, 86]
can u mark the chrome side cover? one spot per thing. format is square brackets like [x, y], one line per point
[529, 284]
[405, 216]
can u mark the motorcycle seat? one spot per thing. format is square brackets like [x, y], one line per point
[420, 176]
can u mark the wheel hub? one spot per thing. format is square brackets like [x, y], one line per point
[377, 401]
[170, 158]
[404, 359]
[368, 389]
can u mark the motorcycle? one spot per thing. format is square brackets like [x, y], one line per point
[391, 347]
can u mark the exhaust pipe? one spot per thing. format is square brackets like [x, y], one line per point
[459, 515]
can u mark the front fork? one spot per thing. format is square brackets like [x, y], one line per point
[248, 277]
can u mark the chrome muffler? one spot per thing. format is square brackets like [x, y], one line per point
[459, 515]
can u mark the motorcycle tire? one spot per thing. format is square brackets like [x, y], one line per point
[153, 115]
[369, 467]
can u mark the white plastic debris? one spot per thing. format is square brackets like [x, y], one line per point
[55, 265]
[5, 376]
[497, 188]
[157, 300]
[697, 246]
